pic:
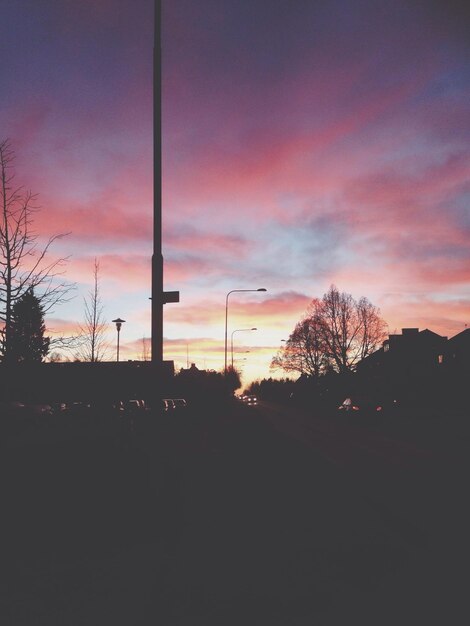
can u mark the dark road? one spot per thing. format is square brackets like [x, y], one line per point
[261, 516]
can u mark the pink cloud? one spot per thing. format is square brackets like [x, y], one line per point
[274, 163]
[179, 271]
[268, 312]
[446, 317]
[389, 194]
[205, 242]
[268, 307]
[197, 314]
[57, 327]
[402, 275]
[131, 271]
[120, 210]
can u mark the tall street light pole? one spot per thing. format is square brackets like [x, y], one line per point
[119, 322]
[159, 297]
[238, 330]
[157, 257]
[226, 317]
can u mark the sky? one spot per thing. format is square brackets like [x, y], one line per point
[305, 143]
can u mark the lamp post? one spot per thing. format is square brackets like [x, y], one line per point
[119, 322]
[238, 330]
[226, 316]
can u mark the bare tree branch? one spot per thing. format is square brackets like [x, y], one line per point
[93, 331]
[23, 265]
[337, 332]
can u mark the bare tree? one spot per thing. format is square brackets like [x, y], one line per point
[374, 329]
[352, 330]
[336, 333]
[23, 265]
[93, 332]
[304, 351]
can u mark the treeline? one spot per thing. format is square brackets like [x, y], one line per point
[204, 388]
[275, 390]
[323, 392]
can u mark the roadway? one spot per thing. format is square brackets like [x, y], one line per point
[263, 516]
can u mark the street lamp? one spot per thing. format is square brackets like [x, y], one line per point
[119, 322]
[226, 316]
[238, 330]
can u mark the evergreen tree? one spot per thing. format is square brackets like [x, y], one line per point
[28, 344]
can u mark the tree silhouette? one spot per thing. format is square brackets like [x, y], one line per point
[232, 379]
[27, 341]
[352, 330]
[336, 333]
[92, 333]
[305, 350]
[23, 264]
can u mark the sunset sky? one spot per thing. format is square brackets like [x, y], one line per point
[305, 143]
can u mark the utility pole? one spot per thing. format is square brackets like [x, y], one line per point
[159, 297]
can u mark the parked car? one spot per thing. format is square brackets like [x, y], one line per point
[134, 406]
[78, 408]
[170, 404]
[40, 409]
[389, 407]
[12, 408]
[365, 406]
[58, 407]
[117, 407]
[348, 406]
[163, 406]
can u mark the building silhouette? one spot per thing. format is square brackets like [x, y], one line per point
[418, 368]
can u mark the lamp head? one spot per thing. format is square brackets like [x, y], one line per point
[118, 321]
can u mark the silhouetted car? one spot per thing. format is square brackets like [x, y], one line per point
[116, 407]
[12, 408]
[364, 406]
[40, 409]
[170, 404]
[389, 407]
[163, 406]
[78, 408]
[250, 400]
[59, 407]
[134, 406]
[348, 406]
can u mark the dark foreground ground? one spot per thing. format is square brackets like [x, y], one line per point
[264, 516]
